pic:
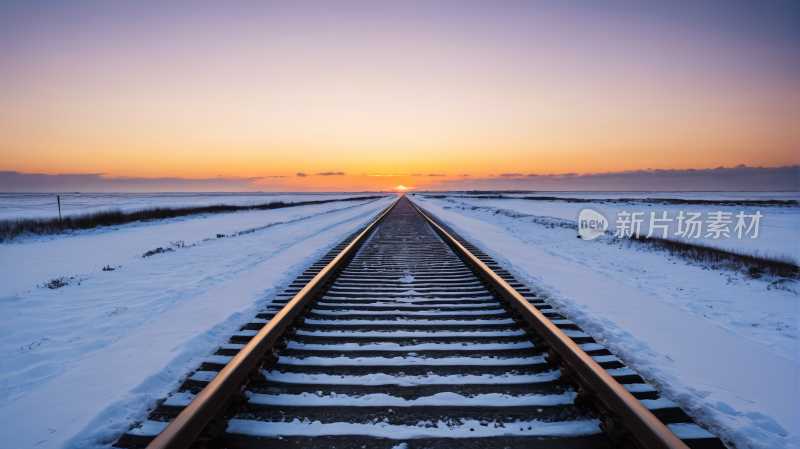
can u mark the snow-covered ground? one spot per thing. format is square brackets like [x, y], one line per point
[81, 364]
[722, 345]
[13, 205]
[777, 232]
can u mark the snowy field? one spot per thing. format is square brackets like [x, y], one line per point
[82, 363]
[777, 232]
[721, 344]
[29, 205]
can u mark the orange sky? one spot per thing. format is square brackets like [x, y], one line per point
[381, 90]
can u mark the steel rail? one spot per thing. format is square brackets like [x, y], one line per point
[190, 423]
[646, 431]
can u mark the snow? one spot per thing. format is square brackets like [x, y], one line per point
[81, 364]
[419, 306]
[85, 252]
[574, 333]
[410, 322]
[386, 346]
[150, 428]
[468, 428]
[395, 334]
[722, 345]
[405, 312]
[777, 229]
[639, 388]
[604, 358]
[394, 301]
[409, 360]
[29, 205]
[689, 431]
[437, 400]
[655, 404]
[218, 359]
[403, 380]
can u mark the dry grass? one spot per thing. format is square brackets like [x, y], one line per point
[752, 261]
[10, 228]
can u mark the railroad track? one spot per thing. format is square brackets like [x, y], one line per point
[407, 333]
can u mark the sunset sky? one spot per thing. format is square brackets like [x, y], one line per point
[463, 89]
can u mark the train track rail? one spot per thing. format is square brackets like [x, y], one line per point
[407, 333]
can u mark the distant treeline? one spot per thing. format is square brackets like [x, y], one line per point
[12, 227]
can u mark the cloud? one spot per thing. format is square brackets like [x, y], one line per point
[330, 173]
[707, 179]
[417, 174]
[437, 175]
[15, 182]
[511, 175]
[391, 175]
[464, 176]
[302, 175]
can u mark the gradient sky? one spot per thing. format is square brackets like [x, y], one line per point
[248, 89]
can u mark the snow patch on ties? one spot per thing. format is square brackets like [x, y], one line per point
[437, 400]
[410, 360]
[387, 346]
[404, 312]
[503, 333]
[420, 306]
[412, 322]
[409, 381]
[469, 429]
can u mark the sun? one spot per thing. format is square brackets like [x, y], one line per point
[400, 188]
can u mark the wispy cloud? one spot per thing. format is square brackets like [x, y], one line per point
[534, 175]
[302, 175]
[736, 178]
[330, 173]
[390, 175]
[437, 175]
[12, 181]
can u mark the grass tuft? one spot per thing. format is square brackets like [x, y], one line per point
[56, 283]
[752, 262]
